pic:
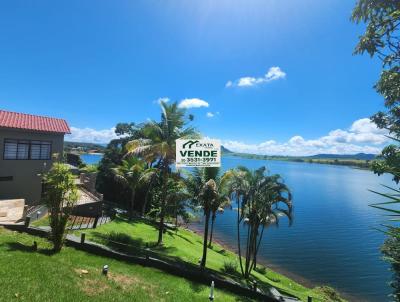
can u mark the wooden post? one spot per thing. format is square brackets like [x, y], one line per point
[27, 221]
[309, 299]
[147, 251]
[83, 218]
[96, 220]
[83, 235]
[34, 247]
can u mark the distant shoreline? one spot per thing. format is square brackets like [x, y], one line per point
[353, 163]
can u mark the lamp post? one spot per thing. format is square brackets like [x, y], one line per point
[211, 297]
[105, 270]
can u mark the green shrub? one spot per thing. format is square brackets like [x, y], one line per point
[230, 267]
[261, 270]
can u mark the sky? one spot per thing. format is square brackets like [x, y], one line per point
[263, 76]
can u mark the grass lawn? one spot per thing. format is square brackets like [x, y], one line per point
[74, 275]
[185, 245]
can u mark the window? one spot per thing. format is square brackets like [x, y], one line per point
[25, 149]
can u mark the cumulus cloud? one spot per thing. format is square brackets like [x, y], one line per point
[193, 103]
[89, 135]
[362, 136]
[274, 73]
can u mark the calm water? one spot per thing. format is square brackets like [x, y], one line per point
[331, 240]
[91, 159]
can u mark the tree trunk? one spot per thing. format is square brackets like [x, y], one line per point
[163, 204]
[212, 228]
[132, 203]
[146, 197]
[238, 236]
[176, 216]
[204, 258]
[258, 247]
[160, 228]
[248, 250]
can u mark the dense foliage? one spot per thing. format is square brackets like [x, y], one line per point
[137, 173]
[382, 39]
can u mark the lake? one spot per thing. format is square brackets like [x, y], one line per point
[331, 240]
[92, 158]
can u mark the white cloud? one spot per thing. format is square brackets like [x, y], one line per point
[89, 135]
[274, 73]
[193, 103]
[212, 114]
[362, 136]
[228, 84]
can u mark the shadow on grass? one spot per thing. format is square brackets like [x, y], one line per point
[134, 246]
[173, 234]
[196, 287]
[18, 246]
[243, 299]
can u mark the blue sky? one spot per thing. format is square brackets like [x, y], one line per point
[278, 77]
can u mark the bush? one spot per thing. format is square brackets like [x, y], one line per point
[230, 267]
[261, 270]
[60, 196]
[330, 293]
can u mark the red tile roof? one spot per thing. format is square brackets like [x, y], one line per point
[32, 122]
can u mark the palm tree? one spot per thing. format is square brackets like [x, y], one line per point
[159, 144]
[263, 209]
[129, 173]
[217, 205]
[236, 183]
[258, 197]
[203, 189]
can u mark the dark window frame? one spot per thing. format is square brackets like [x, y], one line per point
[30, 143]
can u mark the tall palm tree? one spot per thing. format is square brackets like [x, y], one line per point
[218, 205]
[129, 173]
[235, 181]
[203, 189]
[263, 209]
[159, 144]
[258, 197]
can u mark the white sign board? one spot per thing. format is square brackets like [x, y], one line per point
[198, 153]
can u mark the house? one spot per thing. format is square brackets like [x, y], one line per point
[29, 145]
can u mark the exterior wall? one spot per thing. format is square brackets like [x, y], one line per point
[26, 174]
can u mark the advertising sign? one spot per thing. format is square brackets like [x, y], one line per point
[198, 153]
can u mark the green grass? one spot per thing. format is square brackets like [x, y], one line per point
[185, 245]
[42, 276]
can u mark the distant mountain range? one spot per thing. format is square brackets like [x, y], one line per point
[358, 156]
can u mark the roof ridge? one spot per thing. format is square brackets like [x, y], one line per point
[19, 120]
[35, 115]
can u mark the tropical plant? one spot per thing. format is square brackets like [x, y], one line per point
[381, 38]
[218, 205]
[158, 144]
[129, 173]
[203, 189]
[258, 196]
[60, 196]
